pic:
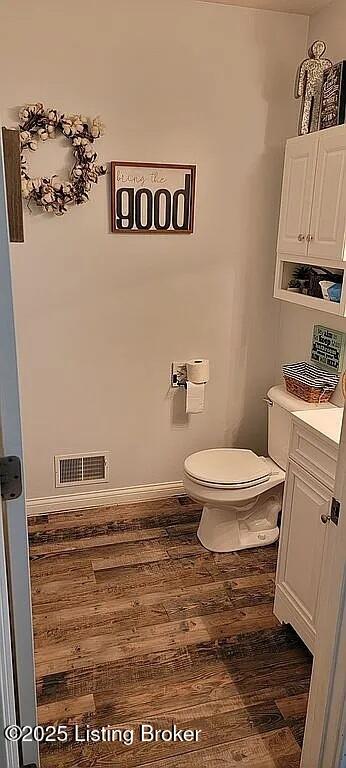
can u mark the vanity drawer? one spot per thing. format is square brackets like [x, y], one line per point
[314, 453]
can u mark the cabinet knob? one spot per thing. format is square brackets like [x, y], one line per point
[325, 519]
[310, 238]
[301, 237]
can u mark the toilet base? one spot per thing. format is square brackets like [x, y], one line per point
[243, 525]
[246, 540]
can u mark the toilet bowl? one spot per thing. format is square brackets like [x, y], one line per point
[241, 492]
[241, 495]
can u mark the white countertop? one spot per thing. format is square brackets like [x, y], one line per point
[324, 421]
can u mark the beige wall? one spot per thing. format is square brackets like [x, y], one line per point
[100, 317]
[295, 335]
[296, 323]
[330, 25]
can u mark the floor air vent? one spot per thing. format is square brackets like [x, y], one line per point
[81, 469]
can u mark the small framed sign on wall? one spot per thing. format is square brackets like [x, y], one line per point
[328, 348]
[153, 198]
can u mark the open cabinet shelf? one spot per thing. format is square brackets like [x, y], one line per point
[285, 271]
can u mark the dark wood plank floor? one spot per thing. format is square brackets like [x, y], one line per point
[135, 622]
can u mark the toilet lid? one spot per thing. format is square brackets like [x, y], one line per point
[227, 467]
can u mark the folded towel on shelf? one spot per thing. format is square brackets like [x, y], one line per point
[331, 291]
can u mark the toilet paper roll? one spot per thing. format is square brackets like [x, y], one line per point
[197, 371]
[195, 394]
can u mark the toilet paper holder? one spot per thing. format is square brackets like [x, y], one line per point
[178, 375]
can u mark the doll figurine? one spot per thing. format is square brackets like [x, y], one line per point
[309, 87]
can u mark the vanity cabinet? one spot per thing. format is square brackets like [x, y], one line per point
[308, 496]
[312, 226]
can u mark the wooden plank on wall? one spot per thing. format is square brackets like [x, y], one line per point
[11, 144]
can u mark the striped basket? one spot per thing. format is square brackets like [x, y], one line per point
[308, 382]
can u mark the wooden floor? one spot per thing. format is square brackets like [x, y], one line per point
[136, 623]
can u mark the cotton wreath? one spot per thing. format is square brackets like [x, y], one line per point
[52, 194]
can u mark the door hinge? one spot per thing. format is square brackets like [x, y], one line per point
[335, 511]
[10, 477]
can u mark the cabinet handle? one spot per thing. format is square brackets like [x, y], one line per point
[310, 238]
[301, 237]
[325, 519]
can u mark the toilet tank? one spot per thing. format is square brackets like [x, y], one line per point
[281, 405]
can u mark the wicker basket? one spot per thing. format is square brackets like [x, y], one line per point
[307, 392]
[308, 382]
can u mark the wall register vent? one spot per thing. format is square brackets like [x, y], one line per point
[79, 469]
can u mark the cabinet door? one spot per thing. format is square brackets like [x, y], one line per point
[301, 550]
[297, 194]
[328, 220]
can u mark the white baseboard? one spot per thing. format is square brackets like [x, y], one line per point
[103, 498]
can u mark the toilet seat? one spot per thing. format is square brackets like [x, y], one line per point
[227, 468]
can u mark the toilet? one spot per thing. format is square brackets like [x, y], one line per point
[241, 492]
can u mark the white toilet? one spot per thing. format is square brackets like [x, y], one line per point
[242, 492]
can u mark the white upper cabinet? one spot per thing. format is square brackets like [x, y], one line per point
[313, 205]
[328, 220]
[297, 194]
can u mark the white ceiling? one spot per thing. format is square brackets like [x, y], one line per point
[288, 6]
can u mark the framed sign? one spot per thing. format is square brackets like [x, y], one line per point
[328, 347]
[152, 198]
[333, 103]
